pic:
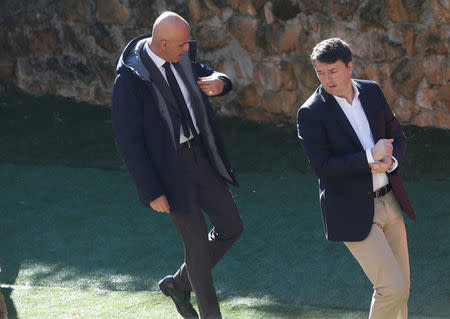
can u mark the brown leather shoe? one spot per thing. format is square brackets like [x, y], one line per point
[181, 298]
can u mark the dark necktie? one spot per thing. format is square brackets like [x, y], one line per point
[186, 119]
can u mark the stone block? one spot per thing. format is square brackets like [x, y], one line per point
[283, 77]
[267, 37]
[244, 30]
[246, 7]
[443, 97]
[83, 94]
[73, 11]
[271, 102]
[258, 114]
[288, 74]
[249, 96]
[6, 69]
[17, 44]
[112, 12]
[289, 38]
[441, 119]
[435, 70]
[285, 9]
[371, 72]
[238, 70]
[382, 49]
[406, 76]
[288, 101]
[103, 37]
[424, 119]
[47, 42]
[210, 36]
[446, 70]
[259, 4]
[305, 73]
[260, 76]
[145, 13]
[404, 10]
[197, 11]
[234, 4]
[33, 88]
[385, 70]
[407, 33]
[440, 10]
[371, 15]
[306, 41]
[389, 93]
[344, 9]
[425, 98]
[72, 42]
[277, 78]
[309, 7]
[404, 110]
[102, 97]
[434, 39]
[330, 28]
[268, 14]
[214, 7]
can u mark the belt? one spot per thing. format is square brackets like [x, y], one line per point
[380, 192]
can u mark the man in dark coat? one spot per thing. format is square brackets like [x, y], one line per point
[355, 145]
[166, 132]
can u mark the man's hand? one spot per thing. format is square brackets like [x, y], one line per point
[382, 166]
[382, 149]
[160, 204]
[211, 85]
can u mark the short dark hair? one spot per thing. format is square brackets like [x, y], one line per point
[331, 50]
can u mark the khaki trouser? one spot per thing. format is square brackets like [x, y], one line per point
[383, 256]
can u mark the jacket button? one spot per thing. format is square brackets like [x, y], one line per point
[369, 193]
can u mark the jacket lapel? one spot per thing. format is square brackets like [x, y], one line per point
[369, 111]
[192, 87]
[337, 112]
[160, 83]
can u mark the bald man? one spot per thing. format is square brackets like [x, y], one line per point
[166, 132]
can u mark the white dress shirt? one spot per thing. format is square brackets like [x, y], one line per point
[187, 97]
[357, 118]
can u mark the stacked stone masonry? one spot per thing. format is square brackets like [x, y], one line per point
[70, 48]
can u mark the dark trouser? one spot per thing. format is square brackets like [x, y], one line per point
[208, 192]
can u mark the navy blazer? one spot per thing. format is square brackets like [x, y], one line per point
[146, 124]
[340, 162]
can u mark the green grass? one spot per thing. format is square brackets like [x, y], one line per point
[70, 303]
[75, 241]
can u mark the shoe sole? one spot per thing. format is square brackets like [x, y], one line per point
[162, 288]
[164, 291]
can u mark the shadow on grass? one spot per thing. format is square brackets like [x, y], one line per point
[70, 217]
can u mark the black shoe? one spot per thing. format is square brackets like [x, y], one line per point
[181, 298]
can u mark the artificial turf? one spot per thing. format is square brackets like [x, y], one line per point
[74, 241]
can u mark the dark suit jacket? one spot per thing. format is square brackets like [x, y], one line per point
[340, 163]
[146, 123]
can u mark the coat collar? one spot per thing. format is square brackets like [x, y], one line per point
[159, 81]
[342, 119]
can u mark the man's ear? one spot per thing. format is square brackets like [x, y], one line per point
[163, 44]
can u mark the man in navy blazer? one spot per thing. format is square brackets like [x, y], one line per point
[166, 132]
[356, 146]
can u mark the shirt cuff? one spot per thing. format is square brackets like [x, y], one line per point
[369, 156]
[393, 166]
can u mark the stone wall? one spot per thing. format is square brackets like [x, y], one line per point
[70, 48]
